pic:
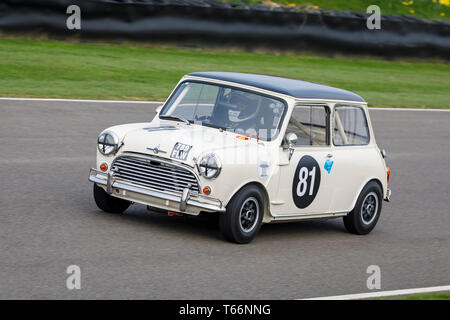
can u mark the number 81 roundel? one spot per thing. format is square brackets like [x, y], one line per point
[306, 182]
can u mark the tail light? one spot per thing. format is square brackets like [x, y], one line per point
[388, 174]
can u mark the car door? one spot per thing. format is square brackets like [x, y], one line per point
[304, 184]
[354, 155]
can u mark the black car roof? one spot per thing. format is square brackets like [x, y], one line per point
[286, 86]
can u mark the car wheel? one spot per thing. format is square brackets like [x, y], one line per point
[109, 203]
[363, 218]
[243, 217]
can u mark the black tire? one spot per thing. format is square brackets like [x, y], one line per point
[243, 228]
[109, 203]
[361, 220]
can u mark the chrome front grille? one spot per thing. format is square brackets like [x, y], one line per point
[154, 173]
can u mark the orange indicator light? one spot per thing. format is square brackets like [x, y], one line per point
[207, 190]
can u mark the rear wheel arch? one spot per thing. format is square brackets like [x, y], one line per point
[377, 181]
[367, 209]
[362, 188]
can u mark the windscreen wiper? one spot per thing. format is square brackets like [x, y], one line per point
[170, 117]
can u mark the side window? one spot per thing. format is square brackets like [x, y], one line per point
[350, 126]
[309, 123]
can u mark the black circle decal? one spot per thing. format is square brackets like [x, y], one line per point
[306, 182]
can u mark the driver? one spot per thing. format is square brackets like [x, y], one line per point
[244, 114]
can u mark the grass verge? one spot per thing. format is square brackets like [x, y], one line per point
[37, 68]
[427, 296]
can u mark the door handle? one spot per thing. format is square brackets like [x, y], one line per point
[329, 155]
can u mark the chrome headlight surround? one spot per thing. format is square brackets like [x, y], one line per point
[209, 166]
[108, 143]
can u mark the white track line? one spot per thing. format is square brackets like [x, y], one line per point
[380, 294]
[161, 102]
[78, 100]
[407, 109]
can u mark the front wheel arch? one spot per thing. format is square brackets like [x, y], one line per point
[267, 215]
[243, 217]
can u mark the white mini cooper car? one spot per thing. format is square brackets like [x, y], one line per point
[252, 148]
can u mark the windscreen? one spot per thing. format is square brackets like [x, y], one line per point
[231, 109]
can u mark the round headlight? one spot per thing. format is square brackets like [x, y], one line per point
[107, 143]
[209, 166]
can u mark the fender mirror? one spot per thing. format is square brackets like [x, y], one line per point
[290, 141]
[291, 138]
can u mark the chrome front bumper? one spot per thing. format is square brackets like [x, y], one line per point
[146, 196]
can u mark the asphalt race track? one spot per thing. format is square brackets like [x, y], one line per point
[48, 221]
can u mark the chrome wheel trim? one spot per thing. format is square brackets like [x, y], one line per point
[249, 215]
[369, 208]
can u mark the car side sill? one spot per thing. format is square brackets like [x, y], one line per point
[306, 216]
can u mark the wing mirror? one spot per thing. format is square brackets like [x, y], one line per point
[158, 109]
[291, 140]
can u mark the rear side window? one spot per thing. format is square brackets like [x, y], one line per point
[350, 126]
[309, 123]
